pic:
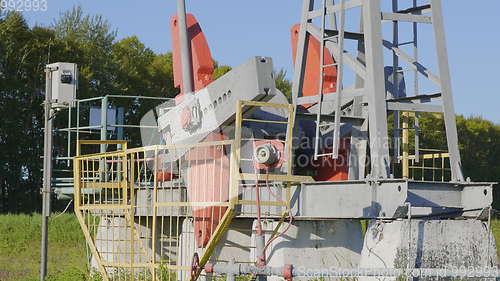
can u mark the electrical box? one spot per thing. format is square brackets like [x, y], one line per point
[64, 83]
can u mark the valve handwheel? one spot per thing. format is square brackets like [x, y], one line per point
[195, 266]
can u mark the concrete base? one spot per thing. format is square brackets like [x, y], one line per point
[312, 246]
[308, 245]
[235, 243]
[433, 244]
[316, 245]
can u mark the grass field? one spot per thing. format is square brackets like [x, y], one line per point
[20, 248]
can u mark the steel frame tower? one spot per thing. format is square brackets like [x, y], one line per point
[368, 66]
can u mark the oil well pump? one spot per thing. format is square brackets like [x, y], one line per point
[240, 180]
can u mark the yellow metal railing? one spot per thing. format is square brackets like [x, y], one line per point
[433, 165]
[135, 209]
[429, 165]
[141, 216]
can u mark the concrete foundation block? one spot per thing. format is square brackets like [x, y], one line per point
[313, 246]
[458, 244]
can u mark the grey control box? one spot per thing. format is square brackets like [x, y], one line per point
[64, 83]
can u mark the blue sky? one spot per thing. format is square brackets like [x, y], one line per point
[239, 29]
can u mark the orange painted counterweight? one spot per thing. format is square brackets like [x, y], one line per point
[208, 172]
[312, 67]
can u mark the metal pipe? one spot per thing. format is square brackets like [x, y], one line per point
[77, 120]
[104, 122]
[398, 272]
[395, 86]
[243, 269]
[231, 277]
[47, 172]
[259, 234]
[104, 132]
[185, 49]
[289, 271]
[68, 163]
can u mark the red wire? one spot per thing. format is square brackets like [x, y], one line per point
[289, 214]
[259, 223]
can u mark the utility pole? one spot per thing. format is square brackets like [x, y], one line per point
[47, 170]
[61, 82]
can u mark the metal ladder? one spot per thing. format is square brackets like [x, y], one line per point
[340, 65]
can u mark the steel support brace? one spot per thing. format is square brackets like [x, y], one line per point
[300, 60]
[375, 90]
[446, 90]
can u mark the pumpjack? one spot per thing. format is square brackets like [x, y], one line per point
[240, 179]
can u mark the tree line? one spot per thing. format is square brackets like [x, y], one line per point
[127, 67]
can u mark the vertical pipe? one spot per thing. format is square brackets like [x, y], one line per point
[408, 267]
[416, 88]
[185, 48]
[259, 234]
[406, 146]
[104, 128]
[154, 230]
[230, 276]
[77, 121]
[47, 172]
[69, 138]
[406, 115]
[104, 121]
[395, 84]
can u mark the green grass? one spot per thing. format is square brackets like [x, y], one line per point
[20, 248]
[495, 228]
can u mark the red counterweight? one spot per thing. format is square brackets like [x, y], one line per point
[203, 64]
[329, 169]
[208, 172]
[312, 68]
[208, 181]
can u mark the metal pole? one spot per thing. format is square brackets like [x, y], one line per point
[104, 136]
[68, 154]
[104, 122]
[395, 86]
[47, 172]
[185, 44]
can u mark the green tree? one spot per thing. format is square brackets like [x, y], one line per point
[283, 84]
[220, 70]
[88, 41]
[21, 84]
